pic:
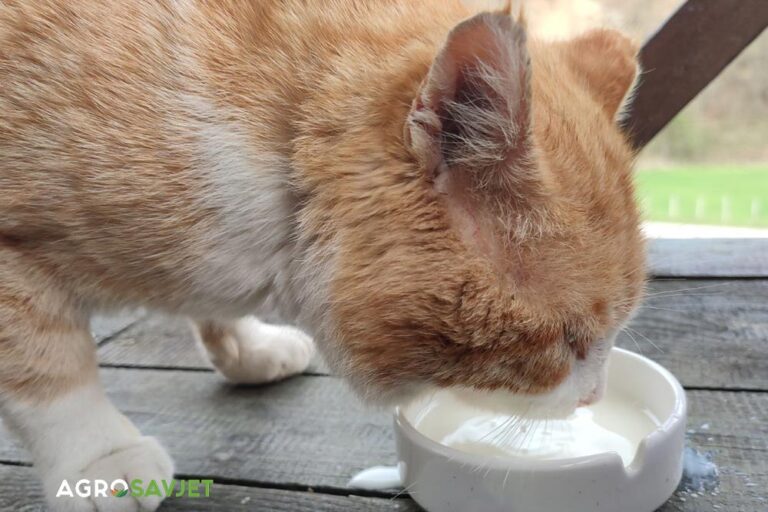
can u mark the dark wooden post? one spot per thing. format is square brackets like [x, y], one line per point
[686, 54]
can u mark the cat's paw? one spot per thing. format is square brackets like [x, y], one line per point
[257, 352]
[144, 459]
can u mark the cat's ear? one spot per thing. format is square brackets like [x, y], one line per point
[607, 60]
[471, 118]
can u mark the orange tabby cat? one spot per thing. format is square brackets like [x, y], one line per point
[437, 200]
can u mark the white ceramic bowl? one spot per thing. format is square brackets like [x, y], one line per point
[442, 479]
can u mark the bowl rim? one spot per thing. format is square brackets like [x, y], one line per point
[664, 430]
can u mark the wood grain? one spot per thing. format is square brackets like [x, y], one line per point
[104, 327]
[161, 341]
[710, 334]
[731, 427]
[310, 432]
[19, 491]
[709, 257]
[276, 443]
[692, 47]
[264, 434]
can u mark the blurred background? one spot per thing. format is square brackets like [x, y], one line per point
[709, 167]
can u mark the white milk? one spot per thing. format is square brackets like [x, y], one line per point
[377, 478]
[615, 424]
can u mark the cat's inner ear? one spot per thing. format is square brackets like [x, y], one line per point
[471, 118]
[607, 61]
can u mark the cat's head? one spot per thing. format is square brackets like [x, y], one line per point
[508, 253]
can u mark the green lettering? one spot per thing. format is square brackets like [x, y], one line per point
[193, 490]
[153, 489]
[168, 486]
[207, 484]
[136, 489]
[182, 486]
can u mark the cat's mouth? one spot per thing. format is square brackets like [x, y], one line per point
[585, 385]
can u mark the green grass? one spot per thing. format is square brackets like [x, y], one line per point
[719, 195]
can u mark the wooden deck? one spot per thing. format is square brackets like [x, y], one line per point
[293, 445]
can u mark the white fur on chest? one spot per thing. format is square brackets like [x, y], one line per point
[249, 249]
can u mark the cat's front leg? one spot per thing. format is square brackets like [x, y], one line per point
[51, 396]
[249, 351]
[79, 435]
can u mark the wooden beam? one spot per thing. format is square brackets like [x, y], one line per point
[708, 257]
[685, 55]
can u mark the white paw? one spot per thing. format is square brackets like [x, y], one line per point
[143, 459]
[259, 352]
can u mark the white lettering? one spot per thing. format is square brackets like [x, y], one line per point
[64, 490]
[100, 488]
[83, 488]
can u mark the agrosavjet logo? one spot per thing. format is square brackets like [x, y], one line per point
[137, 488]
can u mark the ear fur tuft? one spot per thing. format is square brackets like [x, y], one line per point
[473, 112]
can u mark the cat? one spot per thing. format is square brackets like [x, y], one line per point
[437, 198]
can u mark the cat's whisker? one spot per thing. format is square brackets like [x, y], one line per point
[645, 306]
[500, 426]
[533, 432]
[646, 338]
[662, 295]
[510, 425]
[516, 436]
[513, 427]
[520, 433]
[506, 476]
[682, 295]
[477, 468]
[520, 441]
[404, 490]
[687, 289]
[536, 431]
[632, 338]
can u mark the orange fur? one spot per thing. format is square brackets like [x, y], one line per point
[103, 201]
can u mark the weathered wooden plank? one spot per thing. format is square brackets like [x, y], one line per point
[741, 487]
[158, 341]
[709, 333]
[260, 433]
[104, 327]
[20, 491]
[161, 341]
[686, 54]
[310, 432]
[731, 427]
[709, 257]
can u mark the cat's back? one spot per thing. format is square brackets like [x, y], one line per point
[85, 88]
[79, 75]
[108, 95]
[113, 140]
[138, 138]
